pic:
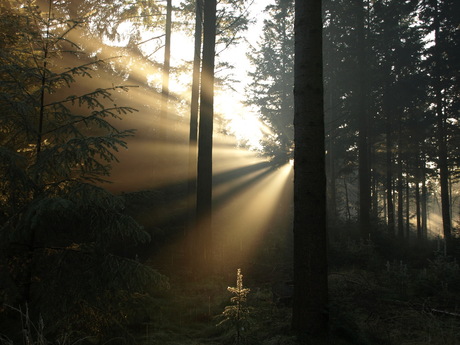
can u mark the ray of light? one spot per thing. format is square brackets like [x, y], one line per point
[245, 218]
[250, 196]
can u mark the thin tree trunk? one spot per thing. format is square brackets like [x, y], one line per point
[363, 145]
[384, 205]
[407, 210]
[30, 261]
[442, 140]
[424, 202]
[399, 187]
[165, 73]
[375, 194]
[332, 193]
[194, 106]
[331, 173]
[310, 239]
[389, 165]
[417, 204]
[347, 201]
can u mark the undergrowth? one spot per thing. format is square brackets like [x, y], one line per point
[374, 300]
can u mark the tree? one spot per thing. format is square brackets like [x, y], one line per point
[60, 230]
[204, 169]
[363, 136]
[310, 238]
[340, 83]
[272, 79]
[442, 67]
[166, 69]
[194, 108]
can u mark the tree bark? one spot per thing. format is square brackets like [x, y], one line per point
[389, 170]
[407, 217]
[310, 239]
[417, 203]
[442, 141]
[424, 202]
[194, 106]
[204, 169]
[165, 73]
[399, 187]
[363, 137]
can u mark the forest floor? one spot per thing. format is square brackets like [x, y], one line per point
[372, 301]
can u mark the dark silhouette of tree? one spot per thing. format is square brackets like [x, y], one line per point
[363, 136]
[272, 79]
[441, 18]
[310, 239]
[204, 169]
[60, 230]
[166, 71]
[194, 107]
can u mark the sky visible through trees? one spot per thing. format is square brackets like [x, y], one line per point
[105, 231]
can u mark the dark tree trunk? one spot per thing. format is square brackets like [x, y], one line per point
[310, 239]
[347, 201]
[407, 218]
[363, 138]
[332, 189]
[424, 202]
[442, 140]
[166, 68]
[399, 188]
[204, 169]
[389, 165]
[417, 203]
[194, 106]
[375, 193]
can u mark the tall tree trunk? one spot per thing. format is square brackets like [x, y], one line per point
[363, 138]
[417, 201]
[424, 202]
[407, 218]
[389, 164]
[332, 189]
[331, 172]
[30, 261]
[347, 200]
[204, 169]
[387, 112]
[193, 134]
[442, 140]
[194, 106]
[399, 188]
[165, 73]
[374, 192]
[310, 238]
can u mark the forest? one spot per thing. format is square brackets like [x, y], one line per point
[230, 172]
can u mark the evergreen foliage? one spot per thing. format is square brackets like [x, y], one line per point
[237, 314]
[60, 230]
[404, 66]
[272, 81]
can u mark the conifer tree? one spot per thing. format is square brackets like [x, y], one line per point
[272, 79]
[442, 65]
[60, 230]
[205, 142]
[237, 314]
[310, 316]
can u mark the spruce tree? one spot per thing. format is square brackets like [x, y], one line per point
[270, 89]
[63, 236]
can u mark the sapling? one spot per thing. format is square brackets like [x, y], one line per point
[237, 313]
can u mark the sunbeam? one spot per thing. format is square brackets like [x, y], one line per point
[243, 219]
